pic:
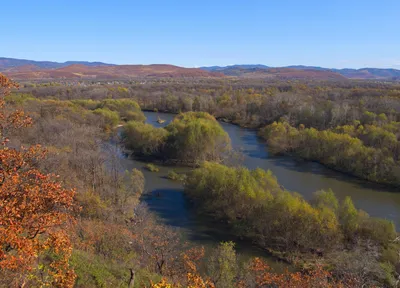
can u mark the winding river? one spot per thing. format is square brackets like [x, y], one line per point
[166, 199]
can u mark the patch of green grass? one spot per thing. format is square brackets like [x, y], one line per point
[96, 271]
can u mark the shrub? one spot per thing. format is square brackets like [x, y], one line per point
[172, 175]
[144, 139]
[152, 167]
[196, 137]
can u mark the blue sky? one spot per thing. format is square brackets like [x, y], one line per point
[191, 33]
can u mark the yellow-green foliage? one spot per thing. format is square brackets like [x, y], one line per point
[87, 103]
[119, 104]
[192, 137]
[152, 167]
[172, 175]
[197, 136]
[127, 109]
[369, 152]
[134, 116]
[18, 99]
[110, 118]
[95, 271]
[144, 139]
[255, 204]
[241, 186]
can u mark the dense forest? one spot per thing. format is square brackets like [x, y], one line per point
[93, 230]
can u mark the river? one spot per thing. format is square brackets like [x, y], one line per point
[165, 197]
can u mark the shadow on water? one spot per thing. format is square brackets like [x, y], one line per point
[173, 207]
[170, 205]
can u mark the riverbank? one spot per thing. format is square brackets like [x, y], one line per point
[385, 185]
[303, 176]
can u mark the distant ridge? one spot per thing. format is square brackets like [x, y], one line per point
[30, 69]
[363, 73]
[7, 63]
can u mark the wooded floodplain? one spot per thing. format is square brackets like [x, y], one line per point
[71, 217]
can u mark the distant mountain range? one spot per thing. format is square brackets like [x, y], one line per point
[7, 63]
[363, 73]
[22, 69]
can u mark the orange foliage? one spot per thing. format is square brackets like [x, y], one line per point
[193, 279]
[262, 277]
[317, 278]
[33, 210]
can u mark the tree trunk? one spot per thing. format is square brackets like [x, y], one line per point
[132, 279]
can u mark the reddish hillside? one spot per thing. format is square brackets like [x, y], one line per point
[78, 71]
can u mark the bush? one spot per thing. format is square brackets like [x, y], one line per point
[152, 167]
[196, 137]
[134, 116]
[144, 139]
[172, 175]
[127, 108]
[94, 271]
[109, 118]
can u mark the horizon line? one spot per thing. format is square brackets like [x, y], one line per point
[394, 67]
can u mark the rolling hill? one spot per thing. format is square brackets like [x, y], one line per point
[22, 69]
[80, 71]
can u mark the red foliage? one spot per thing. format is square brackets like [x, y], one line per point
[317, 278]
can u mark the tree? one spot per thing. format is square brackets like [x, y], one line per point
[348, 217]
[222, 265]
[34, 211]
[195, 137]
[144, 139]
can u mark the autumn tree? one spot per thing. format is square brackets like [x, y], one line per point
[263, 276]
[34, 212]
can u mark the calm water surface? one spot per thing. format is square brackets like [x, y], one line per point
[165, 197]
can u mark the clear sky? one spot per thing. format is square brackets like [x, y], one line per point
[191, 33]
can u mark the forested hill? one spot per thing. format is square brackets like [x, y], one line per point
[363, 73]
